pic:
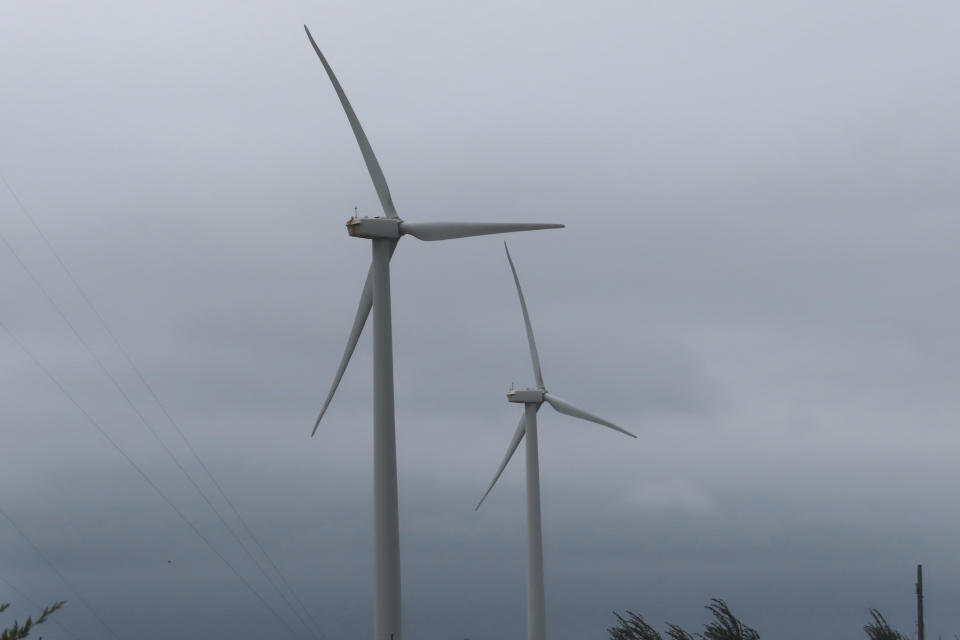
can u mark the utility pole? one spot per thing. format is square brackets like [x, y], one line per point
[920, 631]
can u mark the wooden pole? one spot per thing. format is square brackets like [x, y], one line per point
[920, 630]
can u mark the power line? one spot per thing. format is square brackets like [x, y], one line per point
[143, 475]
[126, 355]
[140, 414]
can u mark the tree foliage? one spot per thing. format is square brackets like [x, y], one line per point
[726, 626]
[723, 626]
[879, 629]
[633, 627]
[19, 631]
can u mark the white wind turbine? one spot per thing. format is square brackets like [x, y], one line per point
[385, 232]
[532, 399]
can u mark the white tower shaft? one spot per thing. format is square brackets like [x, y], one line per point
[386, 520]
[536, 601]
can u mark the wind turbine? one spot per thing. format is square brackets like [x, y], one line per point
[531, 399]
[385, 232]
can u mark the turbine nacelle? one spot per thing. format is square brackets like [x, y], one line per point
[526, 396]
[371, 228]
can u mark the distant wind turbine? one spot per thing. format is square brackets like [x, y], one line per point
[385, 232]
[532, 399]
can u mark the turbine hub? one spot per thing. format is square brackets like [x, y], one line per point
[374, 227]
[526, 396]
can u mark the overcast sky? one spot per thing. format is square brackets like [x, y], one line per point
[758, 276]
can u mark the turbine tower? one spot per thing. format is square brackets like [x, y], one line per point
[385, 232]
[532, 399]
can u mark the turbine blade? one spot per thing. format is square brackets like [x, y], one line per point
[563, 406]
[363, 311]
[514, 443]
[534, 356]
[376, 174]
[450, 230]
